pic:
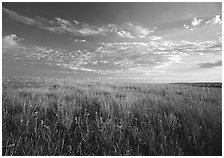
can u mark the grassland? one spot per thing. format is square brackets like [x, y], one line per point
[43, 117]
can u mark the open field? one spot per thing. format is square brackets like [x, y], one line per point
[43, 117]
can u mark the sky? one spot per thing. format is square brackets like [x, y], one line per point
[139, 42]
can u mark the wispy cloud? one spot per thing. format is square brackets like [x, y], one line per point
[58, 25]
[77, 28]
[210, 64]
[23, 19]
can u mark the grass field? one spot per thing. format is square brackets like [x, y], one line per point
[43, 117]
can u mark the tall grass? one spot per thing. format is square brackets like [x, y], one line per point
[77, 118]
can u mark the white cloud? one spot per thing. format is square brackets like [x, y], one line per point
[75, 21]
[124, 34]
[89, 31]
[217, 20]
[155, 38]
[82, 29]
[10, 41]
[158, 54]
[87, 69]
[175, 58]
[186, 26]
[137, 57]
[63, 22]
[130, 30]
[79, 40]
[140, 31]
[209, 21]
[196, 21]
[12, 44]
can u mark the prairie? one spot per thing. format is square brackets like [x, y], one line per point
[52, 117]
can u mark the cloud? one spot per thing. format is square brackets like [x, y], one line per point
[75, 28]
[23, 19]
[196, 21]
[11, 45]
[11, 41]
[124, 34]
[210, 64]
[79, 40]
[39, 21]
[186, 26]
[60, 25]
[215, 20]
[200, 22]
[63, 22]
[140, 31]
[75, 60]
[132, 56]
[157, 54]
[75, 21]
[129, 30]
[155, 38]
[73, 67]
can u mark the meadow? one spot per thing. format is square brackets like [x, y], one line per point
[50, 117]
